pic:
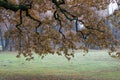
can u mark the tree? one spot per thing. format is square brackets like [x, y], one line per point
[6, 44]
[6, 25]
[52, 26]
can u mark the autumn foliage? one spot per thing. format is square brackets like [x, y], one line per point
[52, 26]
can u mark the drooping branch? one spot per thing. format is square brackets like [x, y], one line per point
[22, 7]
[39, 22]
[90, 28]
[70, 17]
[63, 11]
[56, 16]
[18, 25]
[79, 30]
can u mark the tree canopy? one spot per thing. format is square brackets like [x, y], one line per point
[57, 26]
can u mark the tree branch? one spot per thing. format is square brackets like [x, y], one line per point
[56, 16]
[12, 7]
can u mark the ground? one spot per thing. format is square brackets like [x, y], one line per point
[95, 65]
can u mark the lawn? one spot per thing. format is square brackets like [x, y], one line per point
[96, 65]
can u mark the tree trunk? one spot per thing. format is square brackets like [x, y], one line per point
[2, 41]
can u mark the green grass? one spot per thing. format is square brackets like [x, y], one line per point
[97, 64]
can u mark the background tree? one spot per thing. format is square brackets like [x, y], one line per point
[6, 25]
[56, 26]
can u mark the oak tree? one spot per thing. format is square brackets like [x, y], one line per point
[58, 26]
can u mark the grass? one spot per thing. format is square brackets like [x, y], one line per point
[96, 65]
